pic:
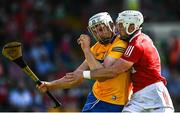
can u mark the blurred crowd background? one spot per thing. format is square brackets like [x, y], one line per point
[49, 29]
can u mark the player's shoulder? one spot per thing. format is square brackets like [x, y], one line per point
[139, 42]
[95, 46]
[137, 39]
[142, 39]
[119, 42]
[118, 45]
[98, 46]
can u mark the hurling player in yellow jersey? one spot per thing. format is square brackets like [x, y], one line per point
[108, 94]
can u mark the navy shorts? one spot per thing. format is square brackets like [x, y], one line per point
[94, 105]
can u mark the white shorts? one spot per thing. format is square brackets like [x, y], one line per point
[152, 98]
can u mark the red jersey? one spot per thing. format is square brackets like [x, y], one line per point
[147, 67]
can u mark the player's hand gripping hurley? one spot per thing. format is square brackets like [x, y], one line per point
[13, 51]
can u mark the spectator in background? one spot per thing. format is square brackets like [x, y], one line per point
[3, 87]
[14, 72]
[44, 65]
[174, 52]
[29, 31]
[49, 44]
[174, 67]
[12, 28]
[65, 53]
[39, 54]
[20, 98]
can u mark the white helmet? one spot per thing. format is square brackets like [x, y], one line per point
[103, 17]
[100, 18]
[130, 17]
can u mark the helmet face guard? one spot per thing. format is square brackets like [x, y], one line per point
[101, 33]
[130, 17]
[99, 26]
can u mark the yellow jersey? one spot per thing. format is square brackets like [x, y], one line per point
[115, 90]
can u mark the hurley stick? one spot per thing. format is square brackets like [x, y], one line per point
[13, 52]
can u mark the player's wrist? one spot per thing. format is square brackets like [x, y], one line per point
[87, 74]
[86, 50]
[48, 85]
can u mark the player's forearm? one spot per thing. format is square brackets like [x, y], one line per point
[60, 84]
[103, 73]
[90, 59]
[118, 67]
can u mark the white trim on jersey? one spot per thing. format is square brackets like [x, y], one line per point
[129, 51]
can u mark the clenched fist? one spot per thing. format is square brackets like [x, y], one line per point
[43, 87]
[84, 40]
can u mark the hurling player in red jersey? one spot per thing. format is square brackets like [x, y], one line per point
[149, 91]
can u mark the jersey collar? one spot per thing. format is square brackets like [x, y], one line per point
[138, 33]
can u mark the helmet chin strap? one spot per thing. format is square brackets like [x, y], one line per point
[128, 37]
[129, 34]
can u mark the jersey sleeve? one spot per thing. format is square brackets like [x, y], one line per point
[133, 52]
[117, 49]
